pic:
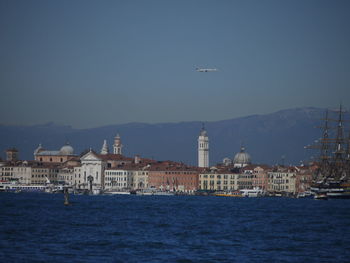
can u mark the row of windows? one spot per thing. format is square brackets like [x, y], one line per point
[279, 181]
[212, 182]
[114, 184]
[278, 175]
[181, 172]
[41, 159]
[116, 179]
[218, 176]
[117, 173]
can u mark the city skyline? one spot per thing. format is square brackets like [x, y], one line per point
[89, 64]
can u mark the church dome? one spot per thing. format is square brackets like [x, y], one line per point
[38, 150]
[242, 158]
[67, 150]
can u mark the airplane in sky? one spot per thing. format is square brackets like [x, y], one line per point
[206, 69]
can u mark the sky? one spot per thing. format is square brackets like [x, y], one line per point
[93, 63]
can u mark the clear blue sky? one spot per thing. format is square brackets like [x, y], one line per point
[91, 63]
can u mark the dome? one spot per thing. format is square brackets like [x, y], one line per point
[39, 149]
[242, 158]
[67, 150]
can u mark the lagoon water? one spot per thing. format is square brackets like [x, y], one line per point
[39, 228]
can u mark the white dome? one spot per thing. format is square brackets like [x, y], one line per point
[242, 157]
[67, 150]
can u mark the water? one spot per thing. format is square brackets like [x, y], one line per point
[39, 228]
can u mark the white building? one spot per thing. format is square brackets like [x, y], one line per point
[66, 175]
[92, 165]
[78, 178]
[118, 179]
[19, 171]
[203, 149]
[23, 173]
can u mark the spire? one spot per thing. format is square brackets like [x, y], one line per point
[104, 149]
[203, 132]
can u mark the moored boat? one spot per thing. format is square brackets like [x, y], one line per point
[255, 192]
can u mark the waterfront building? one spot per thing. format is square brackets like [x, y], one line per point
[66, 175]
[140, 178]
[130, 175]
[282, 180]
[203, 149]
[7, 173]
[53, 156]
[218, 179]
[43, 174]
[304, 179]
[173, 176]
[245, 180]
[19, 171]
[118, 179]
[92, 165]
[23, 173]
[78, 180]
[259, 175]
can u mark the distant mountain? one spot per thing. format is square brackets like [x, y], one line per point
[266, 137]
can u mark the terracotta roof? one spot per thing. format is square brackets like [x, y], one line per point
[112, 157]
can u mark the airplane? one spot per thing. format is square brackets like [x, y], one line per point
[206, 69]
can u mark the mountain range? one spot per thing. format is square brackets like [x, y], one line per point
[268, 138]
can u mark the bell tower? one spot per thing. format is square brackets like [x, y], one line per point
[203, 148]
[117, 146]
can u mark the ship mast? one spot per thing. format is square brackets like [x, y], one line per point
[337, 168]
[347, 156]
[324, 151]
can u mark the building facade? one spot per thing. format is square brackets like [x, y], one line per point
[171, 176]
[282, 181]
[218, 180]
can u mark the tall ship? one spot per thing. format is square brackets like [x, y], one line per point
[332, 177]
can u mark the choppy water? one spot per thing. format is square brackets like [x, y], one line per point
[38, 227]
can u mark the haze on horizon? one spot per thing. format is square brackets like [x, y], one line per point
[93, 63]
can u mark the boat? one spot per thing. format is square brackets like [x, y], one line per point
[229, 194]
[306, 194]
[9, 186]
[117, 192]
[153, 191]
[255, 192]
[332, 178]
